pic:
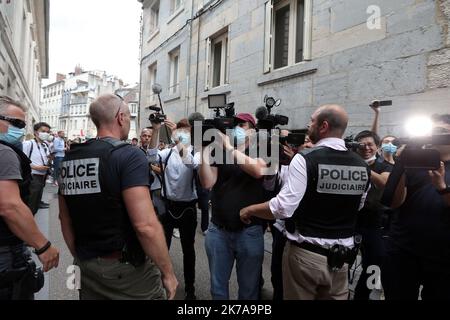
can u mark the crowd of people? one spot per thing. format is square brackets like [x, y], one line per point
[120, 202]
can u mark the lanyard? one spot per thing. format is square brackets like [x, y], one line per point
[40, 153]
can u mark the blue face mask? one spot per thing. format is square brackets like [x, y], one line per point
[13, 136]
[389, 148]
[239, 135]
[184, 138]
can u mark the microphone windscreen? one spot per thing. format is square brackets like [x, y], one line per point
[196, 116]
[156, 88]
[261, 113]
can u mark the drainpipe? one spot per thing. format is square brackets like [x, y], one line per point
[196, 67]
[188, 64]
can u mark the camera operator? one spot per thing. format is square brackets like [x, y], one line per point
[38, 152]
[321, 198]
[418, 249]
[233, 186]
[179, 193]
[370, 223]
[19, 278]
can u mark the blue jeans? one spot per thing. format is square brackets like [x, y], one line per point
[223, 248]
[56, 167]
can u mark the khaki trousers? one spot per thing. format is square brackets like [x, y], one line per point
[103, 279]
[306, 276]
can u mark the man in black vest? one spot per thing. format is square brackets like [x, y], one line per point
[106, 213]
[321, 198]
[16, 220]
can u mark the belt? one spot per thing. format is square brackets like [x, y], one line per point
[311, 247]
[116, 255]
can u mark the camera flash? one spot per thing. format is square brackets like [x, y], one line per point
[419, 126]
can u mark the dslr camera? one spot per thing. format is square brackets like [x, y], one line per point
[353, 145]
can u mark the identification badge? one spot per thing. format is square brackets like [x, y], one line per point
[80, 177]
[346, 180]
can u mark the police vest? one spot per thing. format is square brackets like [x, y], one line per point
[336, 182]
[100, 220]
[7, 238]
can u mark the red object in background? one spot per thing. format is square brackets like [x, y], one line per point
[81, 133]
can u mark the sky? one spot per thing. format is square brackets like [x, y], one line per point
[96, 34]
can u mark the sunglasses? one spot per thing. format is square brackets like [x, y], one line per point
[118, 111]
[15, 122]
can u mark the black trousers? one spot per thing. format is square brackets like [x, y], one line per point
[37, 186]
[278, 243]
[403, 273]
[183, 215]
[372, 254]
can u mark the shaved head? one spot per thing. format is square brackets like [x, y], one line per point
[328, 121]
[336, 116]
[104, 109]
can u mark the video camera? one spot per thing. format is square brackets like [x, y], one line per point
[353, 145]
[221, 122]
[158, 116]
[267, 120]
[415, 156]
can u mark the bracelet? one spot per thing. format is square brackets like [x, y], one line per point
[40, 251]
[444, 191]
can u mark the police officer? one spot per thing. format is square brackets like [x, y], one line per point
[323, 193]
[106, 213]
[17, 277]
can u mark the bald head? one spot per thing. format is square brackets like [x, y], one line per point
[105, 109]
[329, 121]
[336, 116]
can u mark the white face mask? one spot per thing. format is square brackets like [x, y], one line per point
[43, 136]
[50, 138]
[371, 159]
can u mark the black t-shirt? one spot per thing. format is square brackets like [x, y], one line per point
[233, 191]
[422, 224]
[128, 167]
[370, 214]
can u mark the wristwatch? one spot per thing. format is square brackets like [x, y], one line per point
[446, 190]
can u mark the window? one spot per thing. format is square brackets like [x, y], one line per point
[174, 83]
[154, 18]
[288, 30]
[153, 71]
[175, 5]
[217, 58]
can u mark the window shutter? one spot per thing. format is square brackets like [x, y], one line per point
[268, 37]
[227, 65]
[307, 39]
[207, 63]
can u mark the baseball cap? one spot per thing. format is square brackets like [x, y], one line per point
[246, 117]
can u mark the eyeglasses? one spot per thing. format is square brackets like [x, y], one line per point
[118, 111]
[15, 122]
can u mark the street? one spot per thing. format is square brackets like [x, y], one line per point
[55, 285]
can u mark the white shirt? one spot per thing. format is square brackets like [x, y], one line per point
[179, 173]
[39, 155]
[287, 201]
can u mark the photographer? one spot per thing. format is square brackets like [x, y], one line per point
[19, 278]
[38, 152]
[325, 188]
[387, 148]
[418, 249]
[369, 223]
[179, 193]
